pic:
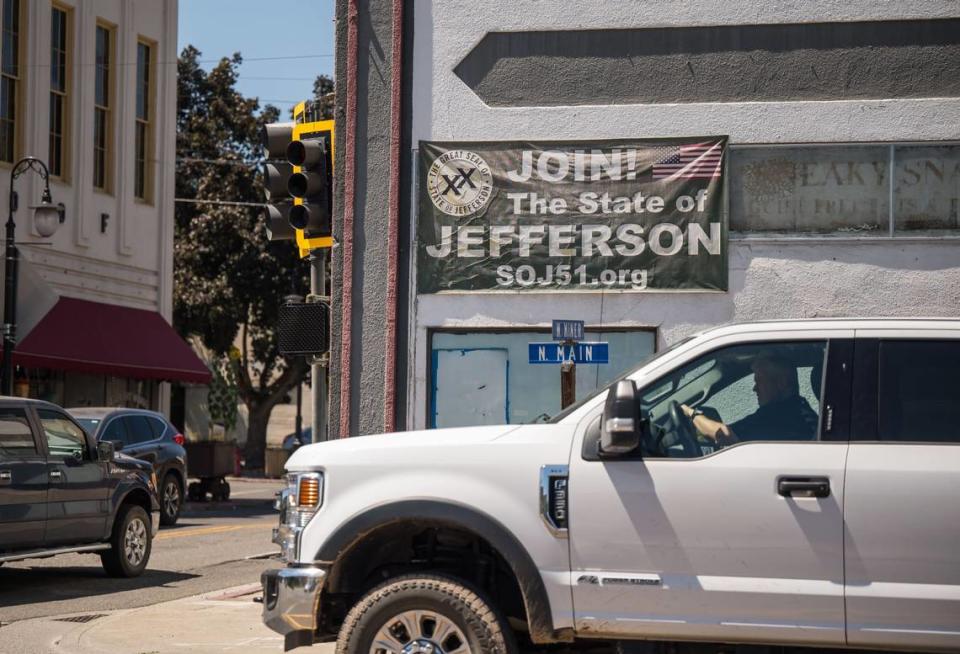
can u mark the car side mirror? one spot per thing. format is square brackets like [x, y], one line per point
[620, 426]
[106, 450]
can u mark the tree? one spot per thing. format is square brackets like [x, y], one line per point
[323, 95]
[229, 282]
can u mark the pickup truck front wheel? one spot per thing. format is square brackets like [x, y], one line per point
[130, 543]
[421, 614]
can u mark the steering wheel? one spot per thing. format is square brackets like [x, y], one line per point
[685, 431]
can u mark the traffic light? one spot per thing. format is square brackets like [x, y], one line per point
[276, 177]
[310, 184]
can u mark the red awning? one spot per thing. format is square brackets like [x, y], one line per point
[104, 338]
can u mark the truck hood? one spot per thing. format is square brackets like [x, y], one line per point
[380, 445]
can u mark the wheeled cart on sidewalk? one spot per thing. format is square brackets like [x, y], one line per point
[210, 462]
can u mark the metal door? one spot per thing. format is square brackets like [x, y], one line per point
[470, 387]
[77, 506]
[902, 546]
[712, 547]
[23, 482]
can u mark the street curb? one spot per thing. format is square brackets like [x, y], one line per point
[233, 593]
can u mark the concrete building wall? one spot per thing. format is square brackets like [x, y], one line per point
[371, 191]
[769, 277]
[790, 278]
[112, 248]
[129, 260]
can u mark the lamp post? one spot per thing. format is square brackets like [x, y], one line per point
[47, 217]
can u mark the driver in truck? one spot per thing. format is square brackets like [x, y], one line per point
[782, 413]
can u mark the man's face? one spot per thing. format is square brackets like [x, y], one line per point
[767, 383]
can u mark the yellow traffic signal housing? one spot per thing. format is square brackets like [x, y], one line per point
[304, 131]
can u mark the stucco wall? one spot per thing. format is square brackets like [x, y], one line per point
[371, 189]
[130, 262]
[768, 278]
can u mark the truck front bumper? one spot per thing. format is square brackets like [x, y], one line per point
[290, 600]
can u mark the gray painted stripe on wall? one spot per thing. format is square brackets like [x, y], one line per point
[764, 63]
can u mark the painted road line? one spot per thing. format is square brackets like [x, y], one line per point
[203, 531]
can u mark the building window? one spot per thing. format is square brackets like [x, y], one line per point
[485, 377]
[59, 90]
[142, 176]
[845, 190]
[102, 115]
[9, 80]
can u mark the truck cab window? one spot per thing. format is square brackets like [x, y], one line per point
[760, 391]
[64, 438]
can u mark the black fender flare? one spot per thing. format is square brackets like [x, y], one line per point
[119, 495]
[469, 519]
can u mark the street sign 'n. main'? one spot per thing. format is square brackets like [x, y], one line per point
[587, 352]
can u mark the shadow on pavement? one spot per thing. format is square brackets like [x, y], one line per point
[238, 508]
[42, 584]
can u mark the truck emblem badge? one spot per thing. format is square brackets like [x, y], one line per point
[554, 499]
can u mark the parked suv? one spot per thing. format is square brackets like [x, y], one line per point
[783, 483]
[61, 492]
[148, 436]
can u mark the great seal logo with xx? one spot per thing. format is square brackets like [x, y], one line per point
[460, 183]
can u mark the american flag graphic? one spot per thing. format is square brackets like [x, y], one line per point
[692, 161]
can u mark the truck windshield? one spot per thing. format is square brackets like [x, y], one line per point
[653, 357]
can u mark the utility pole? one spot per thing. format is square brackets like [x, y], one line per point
[318, 367]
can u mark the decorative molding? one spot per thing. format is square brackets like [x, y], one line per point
[732, 63]
[125, 84]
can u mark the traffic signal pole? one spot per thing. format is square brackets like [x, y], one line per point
[297, 183]
[318, 386]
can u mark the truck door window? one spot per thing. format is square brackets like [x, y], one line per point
[64, 438]
[760, 391]
[919, 391]
[16, 439]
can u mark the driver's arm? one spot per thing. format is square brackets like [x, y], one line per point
[712, 429]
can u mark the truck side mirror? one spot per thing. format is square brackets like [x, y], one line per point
[620, 426]
[105, 450]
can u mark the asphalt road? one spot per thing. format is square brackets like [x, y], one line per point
[213, 546]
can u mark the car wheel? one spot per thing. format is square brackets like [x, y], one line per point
[420, 613]
[130, 543]
[171, 500]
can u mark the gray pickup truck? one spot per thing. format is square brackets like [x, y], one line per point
[62, 492]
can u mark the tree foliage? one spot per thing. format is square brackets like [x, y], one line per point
[229, 282]
[323, 95]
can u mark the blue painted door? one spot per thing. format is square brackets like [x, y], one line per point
[470, 387]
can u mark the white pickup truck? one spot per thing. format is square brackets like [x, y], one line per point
[791, 483]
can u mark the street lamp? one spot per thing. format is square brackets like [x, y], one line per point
[46, 218]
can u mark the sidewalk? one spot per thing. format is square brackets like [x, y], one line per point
[222, 621]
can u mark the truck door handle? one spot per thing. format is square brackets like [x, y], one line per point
[803, 486]
[5, 477]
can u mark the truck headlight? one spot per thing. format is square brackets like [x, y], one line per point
[298, 503]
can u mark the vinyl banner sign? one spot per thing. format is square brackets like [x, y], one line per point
[628, 215]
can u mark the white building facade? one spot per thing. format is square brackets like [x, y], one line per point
[89, 87]
[842, 178]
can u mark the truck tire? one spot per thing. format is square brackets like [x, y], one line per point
[130, 543]
[171, 500]
[427, 613]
